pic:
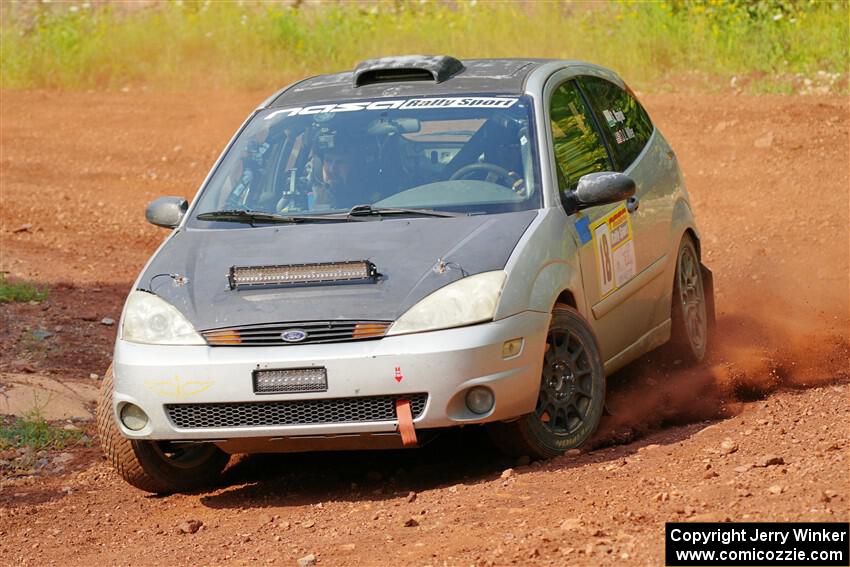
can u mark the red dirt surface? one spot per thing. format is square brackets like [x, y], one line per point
[769, 178]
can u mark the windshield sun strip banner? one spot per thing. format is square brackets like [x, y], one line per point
[399, 104]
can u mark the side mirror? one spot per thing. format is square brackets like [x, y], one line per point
[166, 212]
[599, 188]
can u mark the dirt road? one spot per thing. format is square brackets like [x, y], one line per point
[769, 177]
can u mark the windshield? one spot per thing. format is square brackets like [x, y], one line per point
[468, 155]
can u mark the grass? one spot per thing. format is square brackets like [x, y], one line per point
[32, 430]
[184, 44]
[20, 291]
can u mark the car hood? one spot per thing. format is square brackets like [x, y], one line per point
[407, 252]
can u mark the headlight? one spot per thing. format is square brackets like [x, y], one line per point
[149, 319]
[464, 302]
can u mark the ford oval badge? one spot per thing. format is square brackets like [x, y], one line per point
[293, 336]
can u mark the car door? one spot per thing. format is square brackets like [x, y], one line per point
[639, 151]
[609, 239]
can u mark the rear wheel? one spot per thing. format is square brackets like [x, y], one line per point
[571, 397]
[689, 334]
[155, 466]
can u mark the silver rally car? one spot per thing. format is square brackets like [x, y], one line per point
[417, 244]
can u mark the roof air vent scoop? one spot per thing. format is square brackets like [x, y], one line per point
[435, 68]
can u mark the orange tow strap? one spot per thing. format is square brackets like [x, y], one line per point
[405, 423]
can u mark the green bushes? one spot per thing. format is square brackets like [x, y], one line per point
[32, 430]
[246, 45]
[20, 291]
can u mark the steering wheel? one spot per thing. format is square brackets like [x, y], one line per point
[514, 181]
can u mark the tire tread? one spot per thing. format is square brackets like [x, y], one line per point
[118, 449]
[140, 463]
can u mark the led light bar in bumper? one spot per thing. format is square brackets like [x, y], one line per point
[290, 380]
[294, 274]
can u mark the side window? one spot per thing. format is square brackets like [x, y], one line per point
[578, 148]
[624, 122]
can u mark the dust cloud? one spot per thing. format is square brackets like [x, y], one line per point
[761, 343]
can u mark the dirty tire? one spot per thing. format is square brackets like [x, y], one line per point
[571, 398]
[690, 327]
[144, 464]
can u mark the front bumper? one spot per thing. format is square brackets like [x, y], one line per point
[442, 364]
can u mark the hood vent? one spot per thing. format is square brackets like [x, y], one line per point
[436, 69]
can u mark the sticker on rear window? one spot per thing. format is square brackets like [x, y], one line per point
[615, 250]
[613, 117]
[624, 135]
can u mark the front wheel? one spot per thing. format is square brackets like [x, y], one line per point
[155, 466]
[571, 397]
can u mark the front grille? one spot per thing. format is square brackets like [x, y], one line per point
[269, 334]
[294, 412]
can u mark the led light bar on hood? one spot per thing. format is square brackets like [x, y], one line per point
[303, 274]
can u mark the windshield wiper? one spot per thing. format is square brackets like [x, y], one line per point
[370, 211]
[251, 217]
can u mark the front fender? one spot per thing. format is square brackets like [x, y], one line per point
[544, 263]
[551, 281]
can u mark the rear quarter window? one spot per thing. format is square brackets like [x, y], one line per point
[624, 123]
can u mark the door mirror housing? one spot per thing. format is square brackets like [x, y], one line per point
[596, 189]
[166, 212]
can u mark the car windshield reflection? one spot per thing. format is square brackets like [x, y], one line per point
[468, 155]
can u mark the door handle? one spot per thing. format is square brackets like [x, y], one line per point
[632, 204]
